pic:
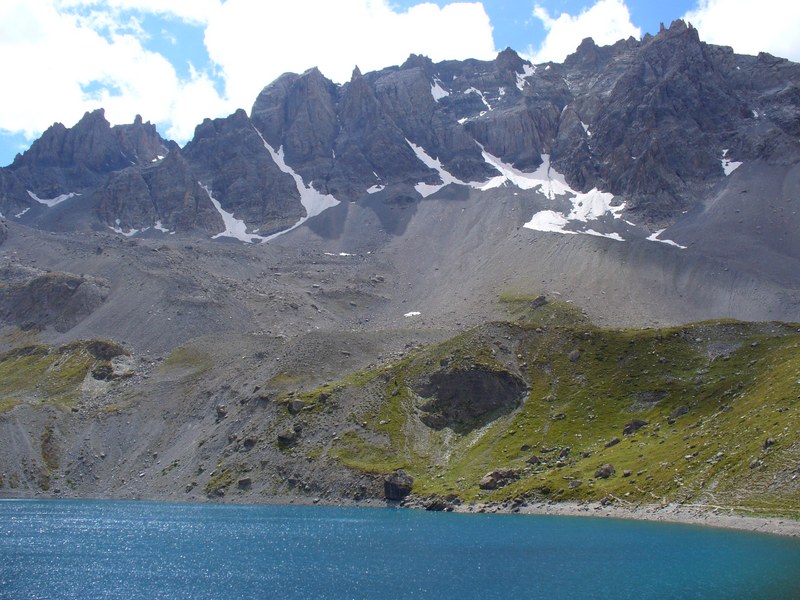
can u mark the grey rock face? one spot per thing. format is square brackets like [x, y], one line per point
[66, 160]
[647, 120]
[169, 192]
[228, 156]
[466, 398]
[34, 299]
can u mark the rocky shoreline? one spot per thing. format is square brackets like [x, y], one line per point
[670, 513]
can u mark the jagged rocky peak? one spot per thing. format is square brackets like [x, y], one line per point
[509, 60]
[72, 160]
[95, 144]
[229, 157]
[298, 113]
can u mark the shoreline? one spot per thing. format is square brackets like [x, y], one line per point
[670, 513]
[697, 515]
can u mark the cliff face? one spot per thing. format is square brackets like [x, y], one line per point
[651, 121]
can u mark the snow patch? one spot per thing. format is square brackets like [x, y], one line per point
[313, 201]
[755, 114]
[51, 202]
[375, 189]
[528, 70]
[549, 220]
[592, 205]
[728, 165]
[473, 90]
[654, 238]
[159, 227]
[426, 189]
[611, 236]
[413, 313]
[437, 91]
[118, 229]
[551, 182]
[21, 214]
[586, 129]
[586, 206]
[235, 228]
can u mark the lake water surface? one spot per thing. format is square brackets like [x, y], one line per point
[88, 549]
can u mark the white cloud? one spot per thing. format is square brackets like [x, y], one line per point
[254, 42]
[64, 57]
[190, 11]
[58, 65]
[606, 21]
[749, 28]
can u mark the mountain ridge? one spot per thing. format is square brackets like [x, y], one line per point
[651, 121]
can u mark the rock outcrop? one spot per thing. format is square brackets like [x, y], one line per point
[397, 485]
[466, 398]
[34, 299]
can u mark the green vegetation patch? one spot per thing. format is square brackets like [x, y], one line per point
[540, 309]
[700, 414]
[187, 362]
[39, 374]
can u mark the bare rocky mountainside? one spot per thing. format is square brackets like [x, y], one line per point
[447, 282]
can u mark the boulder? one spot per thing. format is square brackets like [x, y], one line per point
[633, 426]
[538, 302]
[288, 437]
[612, 442]
[605, 471]
[498, 478]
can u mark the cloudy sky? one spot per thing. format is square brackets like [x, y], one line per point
[178, 61]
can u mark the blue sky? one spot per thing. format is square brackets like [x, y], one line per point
[178, 61]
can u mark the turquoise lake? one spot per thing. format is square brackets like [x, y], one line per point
[142, 550]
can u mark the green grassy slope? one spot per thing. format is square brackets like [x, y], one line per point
[721, 403]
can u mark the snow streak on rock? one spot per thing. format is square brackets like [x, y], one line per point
[118, 229]
[654, 238]
[426, 189]
[51, 202]
[313, 201]
[235, 228]
[438, 91]
[473, 90]
[521, 77]
[728, 165]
